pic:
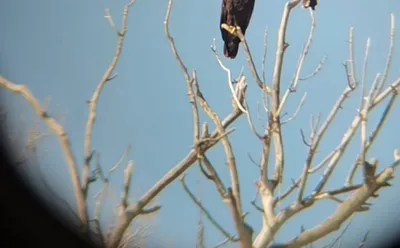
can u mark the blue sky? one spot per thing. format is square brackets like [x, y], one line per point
[60, 49]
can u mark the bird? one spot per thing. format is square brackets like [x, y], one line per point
[234, 13]
[310, 3]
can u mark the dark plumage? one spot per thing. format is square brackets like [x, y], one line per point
[235, 13]
[310, 3]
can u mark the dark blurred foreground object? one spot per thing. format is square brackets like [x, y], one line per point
[25, 220]
[310, 3]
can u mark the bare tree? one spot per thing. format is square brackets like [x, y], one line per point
[271, 139]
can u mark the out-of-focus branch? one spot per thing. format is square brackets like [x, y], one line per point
[295, 184]
[364, 240]
[58, 129]
[96, 95]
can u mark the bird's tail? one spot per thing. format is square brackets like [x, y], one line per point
[231, 49]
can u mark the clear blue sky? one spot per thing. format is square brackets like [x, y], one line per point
[61, 49]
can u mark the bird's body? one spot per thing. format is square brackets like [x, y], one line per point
[235, 13]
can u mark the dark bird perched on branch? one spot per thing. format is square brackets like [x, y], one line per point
[234, 13]
[310, 3]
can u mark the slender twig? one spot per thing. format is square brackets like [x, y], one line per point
[390, 54]
[318, 69]
[364, 240]
[96, 94]
[204, 210]
[301, 104]
[228, 71]
[118, 164]
[365, 102]
[172, 43]
[295, 184]
[264, 54]
[222, 243]
[340, 236]
[214, 176]
[372, 138]
[239, 34]
[303, 55]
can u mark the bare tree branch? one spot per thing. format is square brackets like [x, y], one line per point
[264, 55]
[64, 142]
[214, 49]
[390, 54]
[349, 134]
[350, 62]
[303, 55]
[372, 137]
[276, 81]
[238, 32]
[345, 210]
[318, 69]
[204, 210]
[296, 113]
[96, 95]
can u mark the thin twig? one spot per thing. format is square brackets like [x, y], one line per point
[390, 54]
[340, 236]
[228, 71]
[315, 72]
[239, 34]
[204, 210]
[303, 55]
[264, 54]
[372, 138]
[301, 104]
[350, 62]
[96, 94]
[365, 102]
